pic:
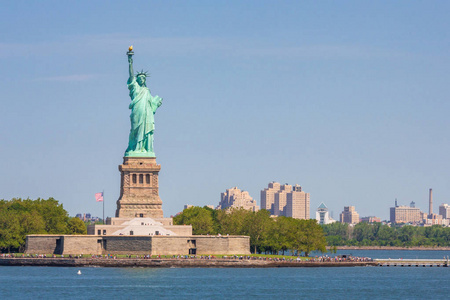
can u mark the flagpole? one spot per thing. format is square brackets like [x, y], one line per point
[103, 194]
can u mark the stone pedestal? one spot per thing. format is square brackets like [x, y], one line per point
[139, 196]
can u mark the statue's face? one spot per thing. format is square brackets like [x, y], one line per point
[140, 80]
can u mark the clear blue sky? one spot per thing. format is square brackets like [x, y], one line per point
[349, 99]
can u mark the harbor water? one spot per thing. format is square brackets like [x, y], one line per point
[224, 283]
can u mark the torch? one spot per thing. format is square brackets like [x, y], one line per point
[130, 51]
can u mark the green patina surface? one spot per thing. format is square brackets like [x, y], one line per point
[143, 108]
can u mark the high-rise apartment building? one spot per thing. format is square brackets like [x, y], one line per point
[349, 215]
[297, 204]
[279, 204]
[406, 214]
[236, 198]
[285, 200]
[268, 197]
[444, 211]
[323, 215]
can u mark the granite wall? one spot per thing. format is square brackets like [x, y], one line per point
[137, 245]
[39, 244]
[127, 244]
[81, 244]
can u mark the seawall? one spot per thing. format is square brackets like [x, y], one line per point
[172, 263]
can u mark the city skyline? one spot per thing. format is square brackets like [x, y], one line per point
[349, 99]
[270, 200]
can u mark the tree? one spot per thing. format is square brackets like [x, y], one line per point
[200, 218]
[10, 231]
[55, 216]
[311, 237]
[363, 231]
[19, 218]
[232, 221]
[386, 235]
[257, 226]
[334, 240]
[406, 234]
[279, 234]
[76, 226]
[337, 229]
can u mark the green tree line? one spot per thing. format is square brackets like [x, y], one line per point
[19, 218]
[266, 234]
[377, 234]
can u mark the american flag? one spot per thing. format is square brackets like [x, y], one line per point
[99, 197]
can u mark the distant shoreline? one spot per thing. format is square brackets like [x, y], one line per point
[388, 248]
[173, 263]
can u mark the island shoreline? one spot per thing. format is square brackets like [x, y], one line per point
[174, 263]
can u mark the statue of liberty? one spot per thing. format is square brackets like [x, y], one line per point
[143, 107]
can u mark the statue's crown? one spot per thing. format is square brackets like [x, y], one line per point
[142, 73]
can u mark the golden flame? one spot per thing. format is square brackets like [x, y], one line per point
[130, 48]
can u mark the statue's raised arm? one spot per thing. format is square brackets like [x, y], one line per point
[130, 64]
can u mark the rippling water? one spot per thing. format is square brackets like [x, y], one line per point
[174, 283]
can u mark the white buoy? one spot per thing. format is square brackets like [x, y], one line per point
[79, 272]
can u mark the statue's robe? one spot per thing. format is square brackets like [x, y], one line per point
[143, 107]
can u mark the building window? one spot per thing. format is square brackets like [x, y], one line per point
[134, 178]
[141, 216]
[131, 232]
[99, 232]
[104, 231]
[147, 178]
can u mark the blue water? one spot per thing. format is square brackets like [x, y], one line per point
[197, 283]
